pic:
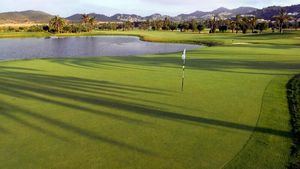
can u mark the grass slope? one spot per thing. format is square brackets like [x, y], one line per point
[128, 112]
[261, 145]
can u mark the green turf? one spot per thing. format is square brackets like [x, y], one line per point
[128, 112]
[23, 34]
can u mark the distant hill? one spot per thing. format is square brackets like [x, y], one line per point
[195, 15]
[243, 10]
[25, 17]
[126, 17]
[269, 12]
[157, 16]
[223, 12]
[78, 17]
[42, 17]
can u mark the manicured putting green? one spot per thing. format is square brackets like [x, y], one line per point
[129, 112]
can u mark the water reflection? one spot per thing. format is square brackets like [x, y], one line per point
[83, 47]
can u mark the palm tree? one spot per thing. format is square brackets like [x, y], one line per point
[200, 27]
[244, 24]
[166, 24]
[92, 22]
[252, 23]
[57, 23]
[128, 25]
[296, 23]
[85, 18]
[145, 25]
[262, 26]
[213, 25]
[173, 26]
[193, 25]
[232, 26]
[238, 20]
[282, 18]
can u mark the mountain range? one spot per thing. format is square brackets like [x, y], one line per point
[25, 17]
[269, 12]
[224, 12]
[42, 17]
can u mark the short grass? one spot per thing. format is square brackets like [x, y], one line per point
[129, 112]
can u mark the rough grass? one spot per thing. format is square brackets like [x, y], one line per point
[128, 112]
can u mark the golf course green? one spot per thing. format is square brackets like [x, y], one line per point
[129, 112]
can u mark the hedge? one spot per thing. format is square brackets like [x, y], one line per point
[293, 93]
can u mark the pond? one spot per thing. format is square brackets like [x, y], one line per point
[26, 48]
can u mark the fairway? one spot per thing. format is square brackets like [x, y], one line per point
[129, 112]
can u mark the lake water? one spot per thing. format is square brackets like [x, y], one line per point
[25, 48]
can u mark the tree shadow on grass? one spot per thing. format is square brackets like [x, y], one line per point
[22, 89]
[269, 36]
[93, 62]
[3, 130]
[12, 68]
[214, 64]
[32, 126]
[64, 81]
[13, 84]
[169, 61]
[270, 45]
[67, 127]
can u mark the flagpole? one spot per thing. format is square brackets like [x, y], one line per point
[182, 83]
[183, 68]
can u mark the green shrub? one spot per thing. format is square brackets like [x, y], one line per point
[11, 29]
[35, 28]
[67, 29]
[22, 29]
[74, 29]
[293, 93]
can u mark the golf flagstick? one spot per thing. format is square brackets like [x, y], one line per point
[183, 67]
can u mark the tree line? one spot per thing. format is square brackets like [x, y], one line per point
[240, 23]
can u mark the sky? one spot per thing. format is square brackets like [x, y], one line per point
[141, 7]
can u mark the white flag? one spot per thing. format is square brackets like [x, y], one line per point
[184, 54]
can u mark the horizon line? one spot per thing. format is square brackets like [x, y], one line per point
[144, 15]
